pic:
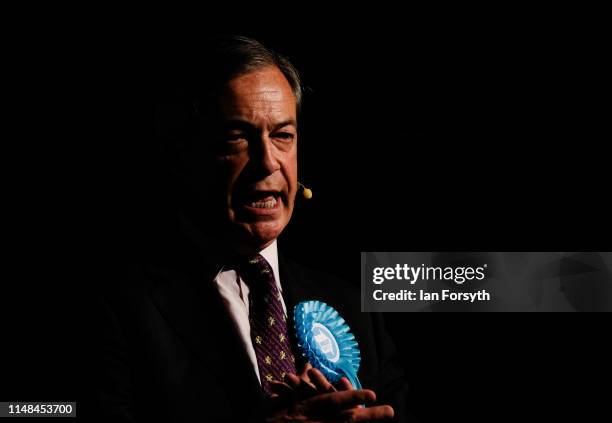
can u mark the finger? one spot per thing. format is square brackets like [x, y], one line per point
[344, 385]
[304, 373]
[306, 389]
[300, 387]
[338, 401]
[373, 414]
[292, 380]
[320, 381]
[281, 389]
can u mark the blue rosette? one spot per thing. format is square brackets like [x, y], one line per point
[327, 342]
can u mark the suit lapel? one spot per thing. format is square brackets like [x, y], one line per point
[296, 286]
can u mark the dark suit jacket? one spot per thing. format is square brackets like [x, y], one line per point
[166, 349]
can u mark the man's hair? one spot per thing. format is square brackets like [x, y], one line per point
[227, 57]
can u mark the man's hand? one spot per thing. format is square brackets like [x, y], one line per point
[310, 397]
[338, 407]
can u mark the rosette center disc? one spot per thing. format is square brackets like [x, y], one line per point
[326, 342]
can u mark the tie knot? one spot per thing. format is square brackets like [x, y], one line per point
[256, 271]
[257, 263]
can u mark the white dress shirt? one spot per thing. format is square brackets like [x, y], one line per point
[235, 295]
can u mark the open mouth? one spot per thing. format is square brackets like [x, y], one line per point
[262, 200]
[268, 201]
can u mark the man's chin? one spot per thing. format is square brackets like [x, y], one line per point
[258, 235]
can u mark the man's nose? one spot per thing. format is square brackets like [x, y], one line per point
[264, 156]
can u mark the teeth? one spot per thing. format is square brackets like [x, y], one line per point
[268, 204]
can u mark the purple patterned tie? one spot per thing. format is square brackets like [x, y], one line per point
[268, 322]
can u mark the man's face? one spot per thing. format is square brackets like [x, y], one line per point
[256, 156]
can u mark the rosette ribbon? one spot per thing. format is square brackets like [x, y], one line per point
[326, 341]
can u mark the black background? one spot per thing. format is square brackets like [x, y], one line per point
[430, 131]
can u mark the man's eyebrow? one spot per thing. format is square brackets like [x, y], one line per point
[288, 122]
[237, 124]
[246, 125]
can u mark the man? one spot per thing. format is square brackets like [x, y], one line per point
[204, 330]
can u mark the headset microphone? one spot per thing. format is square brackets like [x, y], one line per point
[306, 192]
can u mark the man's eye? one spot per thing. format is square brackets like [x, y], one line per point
[235, 137]
[288, 136]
